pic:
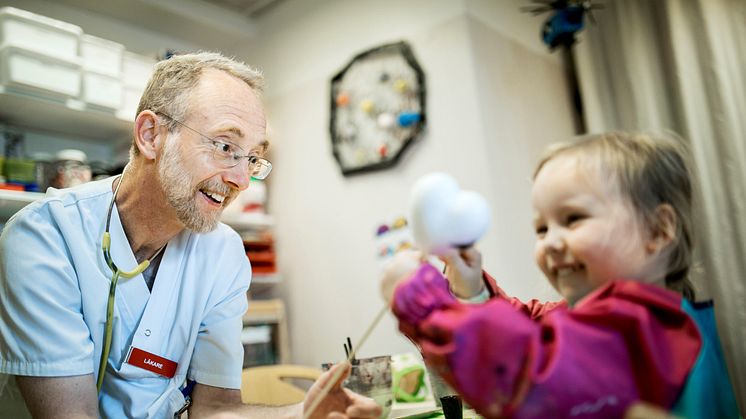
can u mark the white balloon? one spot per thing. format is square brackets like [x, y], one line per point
[427, 192]
[443, 216]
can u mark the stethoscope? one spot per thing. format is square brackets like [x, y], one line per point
[116, 274]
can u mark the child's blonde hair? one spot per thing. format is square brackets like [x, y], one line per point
[649, 170]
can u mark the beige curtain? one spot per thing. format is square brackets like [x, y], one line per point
[680, 65]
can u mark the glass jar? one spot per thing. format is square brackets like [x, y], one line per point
[70, 169]
[43, 172]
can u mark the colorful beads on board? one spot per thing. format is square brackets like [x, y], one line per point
[399, 223]
[367, 105]
[342, 99]
[386, 120]
[401, 85]
[383, 151]
[392, 238]
[407, 119]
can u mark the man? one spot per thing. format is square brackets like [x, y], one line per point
[175, 322]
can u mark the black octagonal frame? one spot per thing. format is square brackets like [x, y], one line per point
[404, 49]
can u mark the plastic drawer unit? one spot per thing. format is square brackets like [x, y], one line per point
[29, 71]
[41, 34]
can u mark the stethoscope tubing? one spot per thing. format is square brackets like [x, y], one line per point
[116, 274]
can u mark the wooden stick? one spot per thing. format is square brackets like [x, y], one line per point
[337, 374]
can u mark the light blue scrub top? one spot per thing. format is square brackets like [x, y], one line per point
[54, 284]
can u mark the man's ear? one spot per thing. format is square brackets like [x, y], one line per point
[147, 134]
[663, 228]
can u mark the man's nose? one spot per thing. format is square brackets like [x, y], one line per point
[238, 175]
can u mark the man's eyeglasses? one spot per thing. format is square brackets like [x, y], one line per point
[229, 154]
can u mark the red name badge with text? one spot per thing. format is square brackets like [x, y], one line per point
[151, 362]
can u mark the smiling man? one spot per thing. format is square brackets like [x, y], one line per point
[123, 297]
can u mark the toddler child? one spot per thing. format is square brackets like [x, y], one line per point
[613, 222]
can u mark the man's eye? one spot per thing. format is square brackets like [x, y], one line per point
[253, 159]
[223, 148]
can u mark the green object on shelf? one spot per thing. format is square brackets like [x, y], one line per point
[19, 170]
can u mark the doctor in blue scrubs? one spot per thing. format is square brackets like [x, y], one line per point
[123, 297]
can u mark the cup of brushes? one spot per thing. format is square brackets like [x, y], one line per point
[370, 377]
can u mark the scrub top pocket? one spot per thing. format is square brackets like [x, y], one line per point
[132, 372]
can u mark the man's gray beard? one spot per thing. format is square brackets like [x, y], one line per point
[176, 183]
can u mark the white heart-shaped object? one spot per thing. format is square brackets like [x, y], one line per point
[443, 216]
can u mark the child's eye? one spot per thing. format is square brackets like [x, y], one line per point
[541, 231]
[574, 218]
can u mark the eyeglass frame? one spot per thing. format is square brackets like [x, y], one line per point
[260, 162]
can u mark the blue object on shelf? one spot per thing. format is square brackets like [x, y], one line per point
[31, 187]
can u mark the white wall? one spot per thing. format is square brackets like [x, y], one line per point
[524, 106]
[494, 101]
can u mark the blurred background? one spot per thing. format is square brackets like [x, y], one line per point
[503, 79]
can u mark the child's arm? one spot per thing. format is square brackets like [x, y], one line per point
[626, 342]
[467, 279]
[405, 264]
[534, 309]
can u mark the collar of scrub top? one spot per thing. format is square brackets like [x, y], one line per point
[116, 274]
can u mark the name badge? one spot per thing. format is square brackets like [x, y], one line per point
[151, 362]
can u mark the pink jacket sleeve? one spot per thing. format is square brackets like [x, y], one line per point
[627, 341]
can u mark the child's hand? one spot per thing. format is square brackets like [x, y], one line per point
[464, 271]
[399, 269]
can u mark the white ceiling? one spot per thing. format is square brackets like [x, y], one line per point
[250, 8]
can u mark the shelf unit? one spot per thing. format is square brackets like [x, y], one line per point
[271, 312]
[70, 117]
[66, 117]
[266, 279]
[12, 201]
